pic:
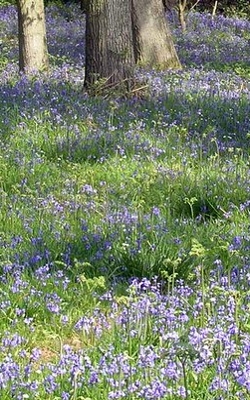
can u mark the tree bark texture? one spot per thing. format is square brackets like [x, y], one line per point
[153, 43]
[33, 52]
[109, 42]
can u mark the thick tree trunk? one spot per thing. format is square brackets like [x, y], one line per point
[33, 53]
[109, 42]
[153, 43]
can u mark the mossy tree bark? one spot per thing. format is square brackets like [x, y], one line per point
[33, 52]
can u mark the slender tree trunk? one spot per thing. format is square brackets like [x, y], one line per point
[214, 8]
[33, 53]
[109, 42]
[182, 4]
[153, 43]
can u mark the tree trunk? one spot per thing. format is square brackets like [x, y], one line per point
[33, 53]
[153, 43]
[182, 4]
[109, 43]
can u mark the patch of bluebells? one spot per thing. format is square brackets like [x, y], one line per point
[65, 30]
[157, 336]
[212, 40]
[144, 345]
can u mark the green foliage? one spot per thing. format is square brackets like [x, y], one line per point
[229, 8]
[7, 2]
[241, 69]
[240, 9]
